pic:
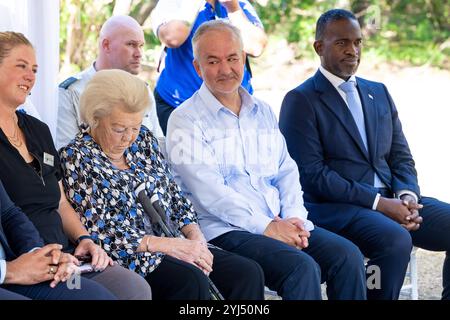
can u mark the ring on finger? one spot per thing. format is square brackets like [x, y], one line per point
[52, 270]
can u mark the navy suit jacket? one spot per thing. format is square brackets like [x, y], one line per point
[17, 233]
[336, 170]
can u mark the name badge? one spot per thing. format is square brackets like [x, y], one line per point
[49, 159]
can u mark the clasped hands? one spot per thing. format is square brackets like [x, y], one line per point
[48, 263]
[405, 211]
[64, 265]
[290, 231]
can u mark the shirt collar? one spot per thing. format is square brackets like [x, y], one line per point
[89, 72]
[92, 69]
[211, 102]
[335, 80]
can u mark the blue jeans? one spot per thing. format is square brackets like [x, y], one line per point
[296, 274]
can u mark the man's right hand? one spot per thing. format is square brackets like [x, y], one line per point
[287, 232]
[399, 211]
[33, 267]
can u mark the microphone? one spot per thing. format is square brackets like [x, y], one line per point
[155, 204]
[157, 216]
[150, 210]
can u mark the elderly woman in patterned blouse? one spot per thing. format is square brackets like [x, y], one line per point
[113, 155]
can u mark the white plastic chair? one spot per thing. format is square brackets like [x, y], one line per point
[411, 288]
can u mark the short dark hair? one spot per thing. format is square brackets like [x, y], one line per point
[9, 40]
[330, 16]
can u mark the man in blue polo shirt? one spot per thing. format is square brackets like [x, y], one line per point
[175, 22]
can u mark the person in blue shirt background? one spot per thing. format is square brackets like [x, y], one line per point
[174, 23]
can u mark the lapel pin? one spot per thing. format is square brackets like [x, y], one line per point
[370, 96]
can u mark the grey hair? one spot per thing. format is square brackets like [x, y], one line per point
[109, 89]
[215, 25]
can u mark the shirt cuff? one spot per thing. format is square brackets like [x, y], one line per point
[403, 192]
[261, 224]
[299, 213]
[34, 249]
[375, 202]
[2, 271]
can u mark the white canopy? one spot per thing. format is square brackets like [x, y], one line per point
[39, 22]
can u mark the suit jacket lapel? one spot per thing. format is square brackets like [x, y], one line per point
[334, 102]
[370, 116]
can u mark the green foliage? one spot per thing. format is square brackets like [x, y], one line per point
[80, 23]
[293, 20]
[414, 31]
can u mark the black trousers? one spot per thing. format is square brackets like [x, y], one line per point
[236, 277]
[163, 110]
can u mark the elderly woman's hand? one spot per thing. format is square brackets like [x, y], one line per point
[192, 251]
[100, 259]
[192, 232]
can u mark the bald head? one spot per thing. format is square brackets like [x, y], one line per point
[116, 24]
[121, 41]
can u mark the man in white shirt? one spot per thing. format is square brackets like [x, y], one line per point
[121, 42]
[230, 157]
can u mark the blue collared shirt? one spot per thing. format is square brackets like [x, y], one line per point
[235, 169]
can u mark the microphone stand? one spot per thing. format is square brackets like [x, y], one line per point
[157, 216]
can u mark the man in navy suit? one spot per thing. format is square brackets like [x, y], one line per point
[356, 169]
[30, 270]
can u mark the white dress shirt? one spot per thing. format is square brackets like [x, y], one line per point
[235, 169]
[2, 264]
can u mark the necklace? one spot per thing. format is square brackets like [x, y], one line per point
[115, 159]
[15, 139]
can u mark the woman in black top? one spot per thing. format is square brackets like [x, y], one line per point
[29, 169]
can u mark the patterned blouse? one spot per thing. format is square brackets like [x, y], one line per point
[104, 196]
